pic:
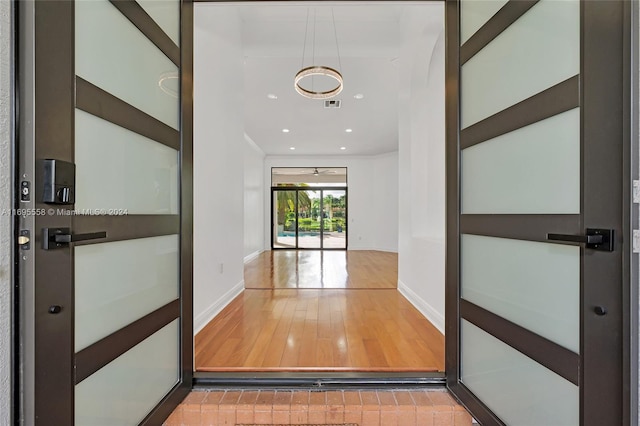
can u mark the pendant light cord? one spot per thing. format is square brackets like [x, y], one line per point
[313, 46]
[335, 33]
[304, 46]
[313, 49]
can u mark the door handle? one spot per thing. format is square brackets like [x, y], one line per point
[595, 239]
[587, 239]
[53, 238]
[72, 238]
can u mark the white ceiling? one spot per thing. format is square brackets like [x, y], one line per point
[370, 41]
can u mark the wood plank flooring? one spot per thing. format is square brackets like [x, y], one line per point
[322, 269]
[320, 329]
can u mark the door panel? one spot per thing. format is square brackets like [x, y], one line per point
[110, 157]
[285, 222]
[475, 14]
[130, 390]
[104, 274]
[164, 14]
[309, 219]
[504, 174]
[113, 318]
[535, 285]
[335, 219]
[118, 69]
[536, 136]
[515, 64]
[506, 378]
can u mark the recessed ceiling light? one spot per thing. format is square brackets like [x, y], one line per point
[358, 96]
[348, 130]
[285, 130]
[343, 148]
[272, 96]
[292, 148]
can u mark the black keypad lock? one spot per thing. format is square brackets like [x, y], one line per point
[59, 182]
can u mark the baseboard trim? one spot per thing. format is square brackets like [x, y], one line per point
[248, 258]
[420, 304]
[388, 250]
[216, 307]
[362, 248]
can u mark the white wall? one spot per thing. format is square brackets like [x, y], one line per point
[421, 263]
[372, 197]
[5, 220]
[385, 184]
[219, 148]
[253, 199]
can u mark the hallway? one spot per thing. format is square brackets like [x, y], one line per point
[330, 322]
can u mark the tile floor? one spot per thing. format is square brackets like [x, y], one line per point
[285, 407]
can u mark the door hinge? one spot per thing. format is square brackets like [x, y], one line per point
[636, 191]
[636, 241]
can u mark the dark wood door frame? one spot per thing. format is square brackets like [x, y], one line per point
[606, 29]
[49, 91]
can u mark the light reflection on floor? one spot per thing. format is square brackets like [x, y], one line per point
[322, 269]
[330, 240]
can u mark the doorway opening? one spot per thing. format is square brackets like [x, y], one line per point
[328, 277]
[309, 208]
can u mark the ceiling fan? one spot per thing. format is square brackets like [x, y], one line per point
[317, 172]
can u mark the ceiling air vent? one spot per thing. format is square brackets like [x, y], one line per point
[333, 103]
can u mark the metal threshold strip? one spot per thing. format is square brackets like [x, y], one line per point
[317, 380]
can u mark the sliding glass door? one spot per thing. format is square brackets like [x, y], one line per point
[310, 218]
[284, 219]
[334, 206]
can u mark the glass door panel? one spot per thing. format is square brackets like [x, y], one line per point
[505, 378]
[527, 156]
[131, 170]
[284, 223]
[334, 223]
[537, 309]
[140, 276]
[131, 391]
[535, 285]
[109, 158]
[516, 64]
[314, 219]
[502, 175]
[111, 273]
[118, 69]
[310, 219]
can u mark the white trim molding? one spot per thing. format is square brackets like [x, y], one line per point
[248, 258]
[436, 318]
[216, 307]
[367, 248]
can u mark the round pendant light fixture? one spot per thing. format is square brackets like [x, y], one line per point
[318, 70]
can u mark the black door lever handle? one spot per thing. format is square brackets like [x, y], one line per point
[587, 239]
[72, 238]
[595, 239]
[53, 238]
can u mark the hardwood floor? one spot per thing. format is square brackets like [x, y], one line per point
[332, 329]
[322, 269]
